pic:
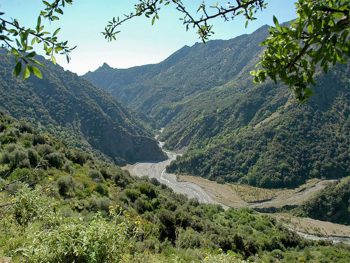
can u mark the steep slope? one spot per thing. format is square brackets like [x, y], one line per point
[237, 131]
[267, 140]
[62, 99]
[156, 90]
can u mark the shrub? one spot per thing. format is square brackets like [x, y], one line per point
[33, 157]
[66, 186]
[44, 149]
[132, 194]
[29, 205]
[96, 175]
[25, 127]
[100, 204]
[147, 189]
[121, 180]
[38, 139]
[188, 239]
[101, 189]
[17, 158]
[77, 156]
[76, 241]
[55, 160]
[142, 205]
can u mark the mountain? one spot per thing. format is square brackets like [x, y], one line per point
[83, 114]
[234, 130]
[158, 91]
[266, 139]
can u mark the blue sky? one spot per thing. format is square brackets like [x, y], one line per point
[139, 43]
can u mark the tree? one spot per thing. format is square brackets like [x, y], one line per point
[294, 53]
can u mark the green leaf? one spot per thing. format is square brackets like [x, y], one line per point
[26, 73]
[18, 68]
[36, 72]
[53, 59]
[56, 31]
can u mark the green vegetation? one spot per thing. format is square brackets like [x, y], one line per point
[235, 131]
[331, 204]
[59, 204]
[77, 112]
[281, 145]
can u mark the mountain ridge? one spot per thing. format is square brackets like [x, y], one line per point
[64, 99]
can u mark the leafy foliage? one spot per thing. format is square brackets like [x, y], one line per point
[136, 220]
[318, 38]
[21, 40]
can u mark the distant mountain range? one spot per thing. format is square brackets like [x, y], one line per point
[74, 109]
[235, 130]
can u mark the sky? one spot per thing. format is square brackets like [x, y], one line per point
[139, 42]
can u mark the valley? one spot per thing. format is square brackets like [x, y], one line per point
[158, 171]
[245, 196]
[185, 160]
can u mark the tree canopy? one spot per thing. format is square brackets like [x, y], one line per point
[294, 53]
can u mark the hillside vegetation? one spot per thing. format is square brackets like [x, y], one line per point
[331, 204]
[59, 204]
[78, 112]
[236, 131]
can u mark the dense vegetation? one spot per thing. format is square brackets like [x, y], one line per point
[331, 204]
[75, 110]
[59, 204]
[235, 131]
[282, 144]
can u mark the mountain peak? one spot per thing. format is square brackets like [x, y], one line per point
[105, 66]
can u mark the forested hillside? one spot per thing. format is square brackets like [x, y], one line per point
[59, 204]
[75, 110]
[237, 131]
[331, 204]
[282, 143]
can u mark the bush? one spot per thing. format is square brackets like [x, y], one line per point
[148, 190]
[55, 160]
[121, 180]
[25, 127]
[76, 241]
[77, 156]
[100, 204]
[188, 239]
[142, 205]
[45, 149]
[17, 158]
[101, 189]
[96, 175]
[66, 186]
[39, 139]
[33, 157]
[132, 194]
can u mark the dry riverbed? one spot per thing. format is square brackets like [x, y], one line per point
[235, 195]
